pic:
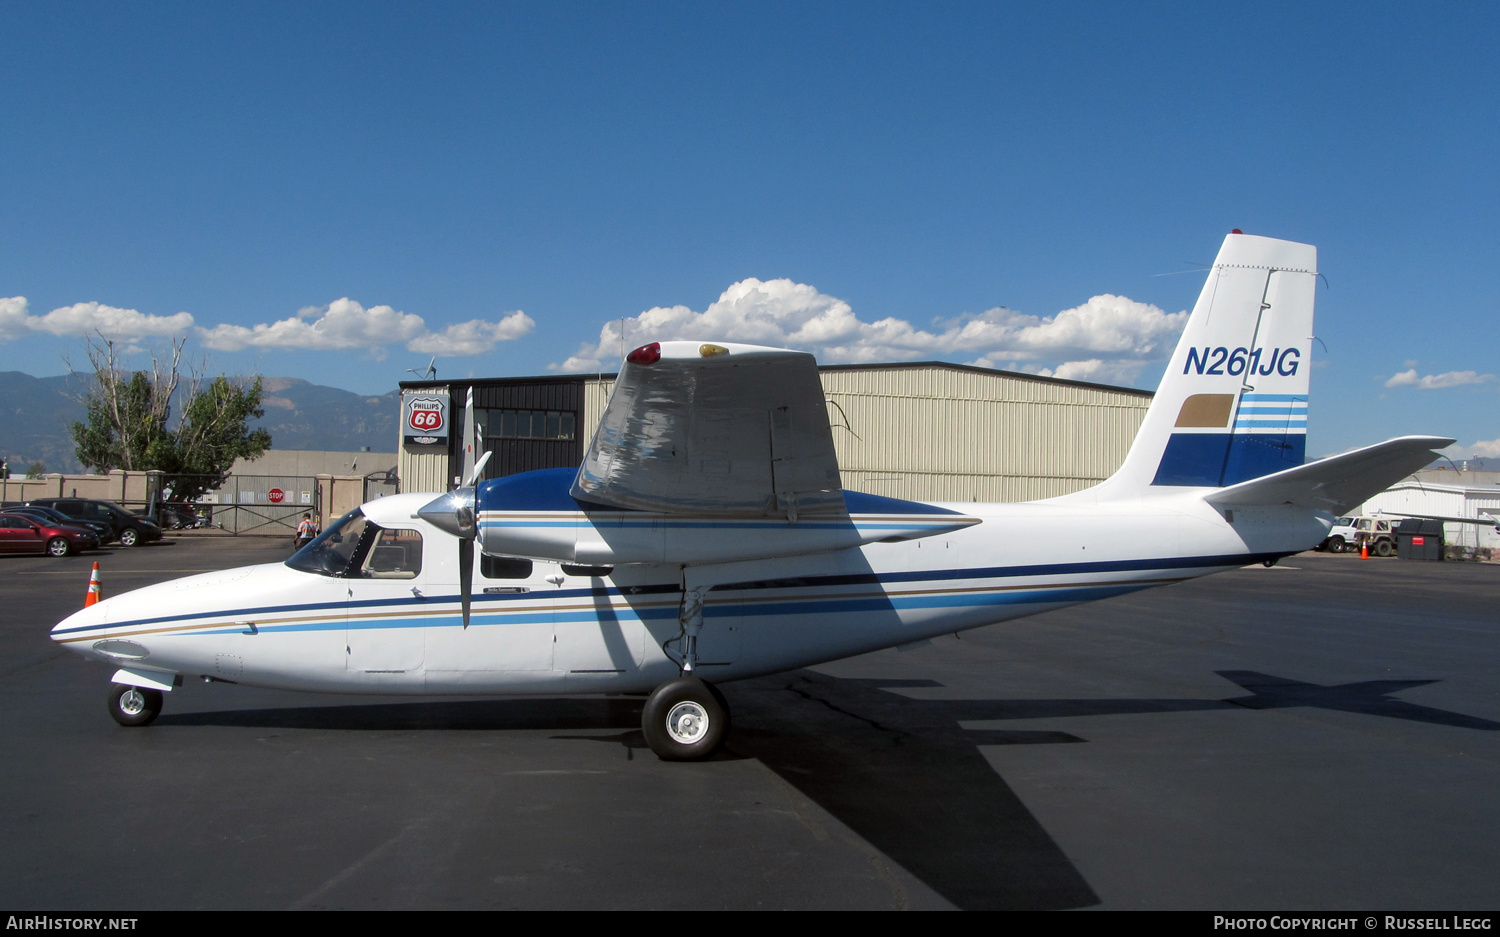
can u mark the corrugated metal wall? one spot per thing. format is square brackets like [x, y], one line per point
[420, 468]
[933, 432]
[1450, 500]
[596, 392]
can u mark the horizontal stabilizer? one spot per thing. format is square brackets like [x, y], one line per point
[1339, 482]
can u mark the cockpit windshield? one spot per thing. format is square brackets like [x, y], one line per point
[335, 550]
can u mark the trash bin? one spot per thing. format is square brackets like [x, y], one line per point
[1419, 539]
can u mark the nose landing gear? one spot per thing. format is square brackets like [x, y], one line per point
[133, 705]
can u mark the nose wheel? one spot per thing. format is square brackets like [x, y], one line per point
[133, 705]
[685, 720]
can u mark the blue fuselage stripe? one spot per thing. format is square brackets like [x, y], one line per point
[1049, 595]
[668, 593]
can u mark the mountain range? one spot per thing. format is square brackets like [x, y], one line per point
[36, 414]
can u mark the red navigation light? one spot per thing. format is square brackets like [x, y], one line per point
[646, 354]
[1236, 231]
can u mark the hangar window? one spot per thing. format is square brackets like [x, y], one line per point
[528, 424]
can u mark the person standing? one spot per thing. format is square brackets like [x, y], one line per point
[306, 531]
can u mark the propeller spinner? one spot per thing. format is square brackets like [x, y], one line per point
[455, 513]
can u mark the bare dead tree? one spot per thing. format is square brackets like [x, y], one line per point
[127, 410]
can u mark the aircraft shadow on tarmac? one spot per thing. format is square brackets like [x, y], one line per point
[902, 773]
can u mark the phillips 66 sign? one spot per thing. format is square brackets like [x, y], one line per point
[424, 418]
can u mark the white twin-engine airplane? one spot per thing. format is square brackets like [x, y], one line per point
[707, 538]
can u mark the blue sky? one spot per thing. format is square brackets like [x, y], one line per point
[371, 184]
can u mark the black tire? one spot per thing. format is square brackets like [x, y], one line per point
[1337, 545]
[685, 720]
[1384, 548]
[134, 705]
[59, 546]
[129, 537]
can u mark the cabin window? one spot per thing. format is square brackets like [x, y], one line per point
[395, 553]
[504, 567]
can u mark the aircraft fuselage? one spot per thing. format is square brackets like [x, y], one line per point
[563, 632]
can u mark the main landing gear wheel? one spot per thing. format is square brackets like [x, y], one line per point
[134, 705]
[685, 720]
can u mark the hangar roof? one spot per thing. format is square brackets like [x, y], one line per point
[881, 366]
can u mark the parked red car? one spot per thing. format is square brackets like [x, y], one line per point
[28, 535]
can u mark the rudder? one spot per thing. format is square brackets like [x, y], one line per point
[1232, 404]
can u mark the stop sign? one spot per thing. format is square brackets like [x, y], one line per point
[275, 495]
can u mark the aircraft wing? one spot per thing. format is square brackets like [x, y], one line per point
[718, 429]
[1338, 482]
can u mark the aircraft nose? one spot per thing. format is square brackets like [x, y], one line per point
[80, 621]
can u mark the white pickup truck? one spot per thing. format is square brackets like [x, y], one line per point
[1350, 533]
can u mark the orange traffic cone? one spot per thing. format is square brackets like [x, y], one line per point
[1364, 550]
[93, 593]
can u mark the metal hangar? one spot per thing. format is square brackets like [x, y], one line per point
[927, 431]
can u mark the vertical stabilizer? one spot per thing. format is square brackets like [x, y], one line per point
[1232, 404]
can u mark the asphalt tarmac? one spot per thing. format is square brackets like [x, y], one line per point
[1320, 736]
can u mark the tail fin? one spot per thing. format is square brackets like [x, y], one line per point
[1232, 405]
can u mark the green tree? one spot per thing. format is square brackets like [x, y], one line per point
[36, 470]
[128, 420]
[122, 423]
[212, 434]
[127, 412]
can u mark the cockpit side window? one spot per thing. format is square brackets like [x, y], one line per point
[395, 553]
[337, 550]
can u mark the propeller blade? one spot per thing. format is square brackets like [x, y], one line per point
[465, 575]
[478, 467]
[470, 439]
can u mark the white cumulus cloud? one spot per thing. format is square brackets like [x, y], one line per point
[1108, 338]
[474, 337]
[1096, 370]
[1409, 378]
[13, 317]
[345, 324]
[1481, 449]
[90, 318]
